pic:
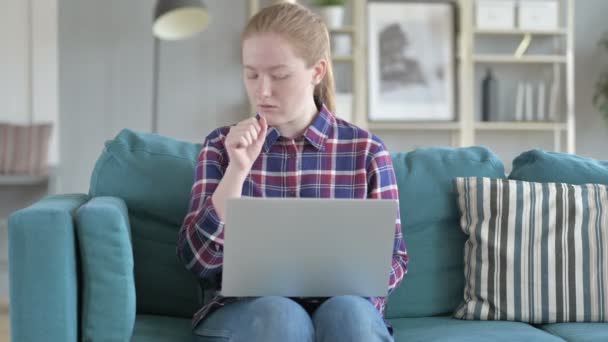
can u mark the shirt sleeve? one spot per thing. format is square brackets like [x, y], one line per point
[382, 184]
[201, 236]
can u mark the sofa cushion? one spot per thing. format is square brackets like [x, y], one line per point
[106, 259]
[536, 251]
[448, 329]
[579, 332]
[430, 219]
[153, 174]
[149, 328]
[540, 166]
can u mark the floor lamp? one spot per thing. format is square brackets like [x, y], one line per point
[174, 20]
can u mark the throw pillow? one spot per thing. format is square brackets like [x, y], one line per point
[536, 252]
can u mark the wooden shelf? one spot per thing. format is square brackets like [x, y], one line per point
[343, 59]
[525, 59]
[517, 32]
[15, 180]
[520, 126]
[345, 29]
[413, 126]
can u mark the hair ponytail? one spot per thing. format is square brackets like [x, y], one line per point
[326, 90]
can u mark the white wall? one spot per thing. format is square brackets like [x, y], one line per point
[106, 59]
[590, 24]
[17, 25]
[106, 64]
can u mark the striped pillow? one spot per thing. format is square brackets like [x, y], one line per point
[536, 252]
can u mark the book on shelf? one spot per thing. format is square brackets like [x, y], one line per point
[519, 102]
[531, 105]
[540, 104]
[529, 102]
[554, 97]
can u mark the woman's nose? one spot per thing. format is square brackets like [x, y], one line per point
[264, 87]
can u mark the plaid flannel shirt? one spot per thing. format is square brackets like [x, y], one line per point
[332, 159]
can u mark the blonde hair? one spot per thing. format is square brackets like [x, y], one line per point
[308, 36]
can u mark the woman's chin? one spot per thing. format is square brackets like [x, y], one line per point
[272, 118]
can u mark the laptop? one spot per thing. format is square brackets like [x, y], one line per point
[305, 247]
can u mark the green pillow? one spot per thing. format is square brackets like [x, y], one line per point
[153, 175]
[430, 220]
[540, 166]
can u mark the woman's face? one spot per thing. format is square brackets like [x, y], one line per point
[278, 83]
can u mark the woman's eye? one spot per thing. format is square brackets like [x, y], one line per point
[280, 77]
[252, 76]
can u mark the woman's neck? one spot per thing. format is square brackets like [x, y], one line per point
[296, 128]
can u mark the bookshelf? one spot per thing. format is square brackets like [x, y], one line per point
[506, 59]
[557, 62]
[465, 129]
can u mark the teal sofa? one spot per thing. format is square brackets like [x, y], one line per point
[102, 266]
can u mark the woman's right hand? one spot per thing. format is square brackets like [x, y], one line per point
[244, 143]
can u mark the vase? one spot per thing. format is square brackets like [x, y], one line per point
[333, 16]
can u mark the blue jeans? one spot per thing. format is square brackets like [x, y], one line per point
[270, 319]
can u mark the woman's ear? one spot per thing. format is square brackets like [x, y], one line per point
[319, 71]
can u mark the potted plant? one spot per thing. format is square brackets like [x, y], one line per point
[332, 12]
[600, 98]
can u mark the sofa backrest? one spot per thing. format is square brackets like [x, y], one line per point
[153, 174]
[430, 218]
[542, 166]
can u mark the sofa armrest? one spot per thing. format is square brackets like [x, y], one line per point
[106, 261]
[43, 270]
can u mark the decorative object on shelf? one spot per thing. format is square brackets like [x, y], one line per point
[341, 44]
[538, 15]
[489, 97]
[523, 46]
[332, 12]
[174, 20]
[600, 97]
[24, 148]
[411, 61]
[495, 14]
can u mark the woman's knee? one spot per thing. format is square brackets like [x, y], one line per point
[278, 318]
[276, 309]
[347, 308]
[349, 318]
[258, 319]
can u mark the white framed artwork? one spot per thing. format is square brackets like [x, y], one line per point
[411, 61]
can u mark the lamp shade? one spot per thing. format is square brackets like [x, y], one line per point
[179, 19]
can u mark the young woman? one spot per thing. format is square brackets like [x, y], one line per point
[293, 147]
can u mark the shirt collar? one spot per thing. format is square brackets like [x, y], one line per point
[315, 134]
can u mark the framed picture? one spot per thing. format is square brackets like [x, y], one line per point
[411, 62]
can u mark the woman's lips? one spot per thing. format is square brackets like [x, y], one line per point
[267, 107]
